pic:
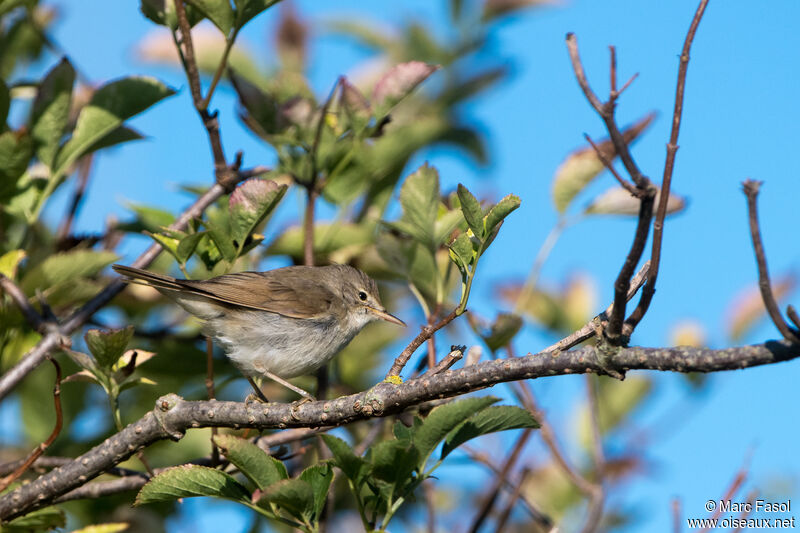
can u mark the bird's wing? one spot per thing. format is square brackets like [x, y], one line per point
[264, 291]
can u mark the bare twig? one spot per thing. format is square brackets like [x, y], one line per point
[418, 341]
[607, 163]
[430, 505]
[751, 497]
[666, 180]
[39, 450]
[491, 495]
[84, 170]
[597, 498]
[793, 316]
[15, 292]
[456, 353]
[606, 112]
[750, 188]
[505, 513]
[223, 62]
[676, 515]
[173, 416]
[732, 489]
[590, 329]
[308, 227]
[623, 282]
[224, 174]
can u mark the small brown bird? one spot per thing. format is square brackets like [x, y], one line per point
[281, 323]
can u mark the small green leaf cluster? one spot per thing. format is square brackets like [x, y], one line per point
[391, 470]
[229, 233]
[110, 364]
[297, 501]
[467, 248]
[381, 480]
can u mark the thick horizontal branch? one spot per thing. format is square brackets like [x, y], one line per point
[173, 416]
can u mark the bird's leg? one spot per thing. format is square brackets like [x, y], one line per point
[259, 394]
[306, 396]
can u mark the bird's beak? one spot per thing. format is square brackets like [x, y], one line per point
[380, 313]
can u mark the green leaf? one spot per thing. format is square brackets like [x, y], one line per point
[419, 197]
[66, 266]
[108, 346]
[16, 150]
[163, 12]
[168, 243]
[350, 464]
[504, 328]
[218, 12]
[319, 477]
[50, 111]
[82, 360]
[259, 467]
[191, 480]
[9, 262]
[445, 224]
[472, 211]
[462, 252]
[187, 246]
[295, 496]
[247, 9]
[393, 461]
[116, 136]
[109, 107]
[40, 520]
[500, 211]
[489, 420]
[249, 204]
[148, 218]
[223, 239]
[443, 419]
[111, 527]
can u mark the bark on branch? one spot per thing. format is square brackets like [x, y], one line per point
[173, 416]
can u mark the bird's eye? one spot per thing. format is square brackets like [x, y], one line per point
[363, 296]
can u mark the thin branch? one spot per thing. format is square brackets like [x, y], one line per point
[590, 329]
[666, 180]
[606, 112]
[505, 513]
[597, 499]
[39, 450]
[173, 416]
[751, 497]
[623, 282]
[430, 506]
[418, 341]
[676, 515]
[793, 316]
[84, 170]
[491, 495]
[455, 355]
[750, 188]
[224, 174]
[15, 292]
[542, 520]
[732, 489]
[220, 68]
[603, 159]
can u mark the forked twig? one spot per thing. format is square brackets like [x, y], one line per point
[751, 188]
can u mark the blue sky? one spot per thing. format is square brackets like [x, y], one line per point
[740, 120]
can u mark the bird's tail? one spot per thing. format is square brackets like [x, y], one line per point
[144, 277]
